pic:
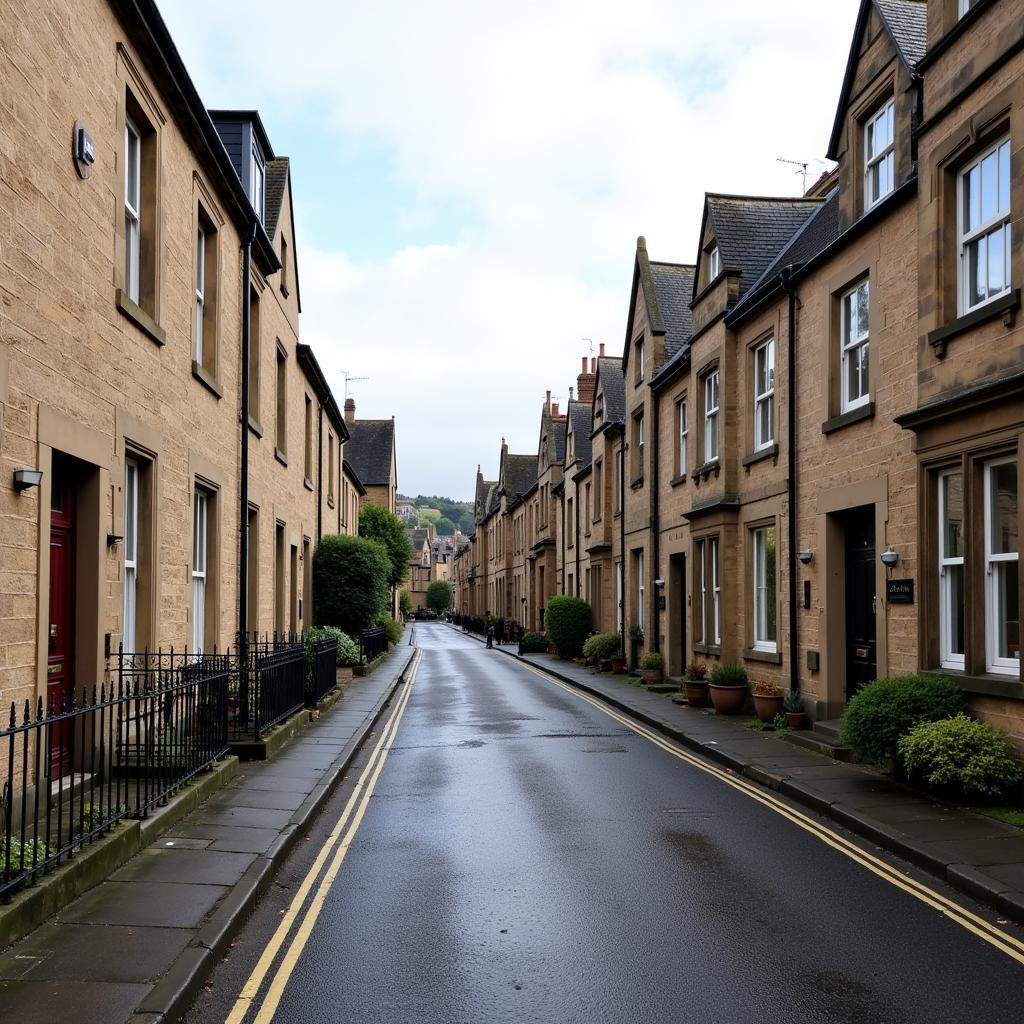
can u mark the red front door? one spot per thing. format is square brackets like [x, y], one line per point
[60, 662]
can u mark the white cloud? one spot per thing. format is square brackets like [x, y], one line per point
[566, 128]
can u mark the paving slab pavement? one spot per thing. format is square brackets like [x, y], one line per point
[977, 854]
[138, 946]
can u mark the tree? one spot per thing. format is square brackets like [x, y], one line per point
[377, 523]
[405, 602]
[439, 596]
[445, 527]
[350, 582]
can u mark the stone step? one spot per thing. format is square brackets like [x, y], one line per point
[820, 744]
[828, 728]
[665, 687]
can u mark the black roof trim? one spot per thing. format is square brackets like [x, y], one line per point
[308, 362]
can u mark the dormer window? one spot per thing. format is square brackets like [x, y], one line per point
[714, 263]
[599, 409]
[638, 348]
[257, 182]
[879, 155]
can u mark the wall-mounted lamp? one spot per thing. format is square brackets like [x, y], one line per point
[889, 557]
[806, 557]
[114, 538]
[659, 583]
[26, 478]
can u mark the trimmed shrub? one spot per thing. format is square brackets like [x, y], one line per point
[392, 627]
[652, 660]
[961, 758]
[534, 643]
[883, 711]
[602, 646]
[348, 649]
[350, 582]
[728, 675]
[439, 596]
[568, 621]
[404, 602]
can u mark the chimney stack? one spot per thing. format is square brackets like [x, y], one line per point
[586, 382]
[547, 402]
[350, 410]
[554, 411]
[570, 394]
[601, 350]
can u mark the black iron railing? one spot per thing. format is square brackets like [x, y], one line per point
[268, 684]
[373, 642]
[71, 771]
[321, 669]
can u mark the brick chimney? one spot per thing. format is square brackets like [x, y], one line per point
[586, 381]
[350, 410]
[554, 410]
[547, 402]
[601, 351]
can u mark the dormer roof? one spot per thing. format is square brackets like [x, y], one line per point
[520, 474]
[906, 22]
[580, 419]
[612, 385]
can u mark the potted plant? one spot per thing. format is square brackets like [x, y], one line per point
[651, 666]
[793, 705]
[767, 700]
[696, 684]
[728, 686]
[618, 661]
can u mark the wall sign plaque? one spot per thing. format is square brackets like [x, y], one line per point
[899, 591]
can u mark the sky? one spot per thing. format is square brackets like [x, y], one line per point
[470, 179]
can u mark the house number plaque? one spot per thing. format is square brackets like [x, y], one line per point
[899, 591]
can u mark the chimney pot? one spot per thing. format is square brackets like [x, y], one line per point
[593, 364]
[570, 394]
[583, 368]
[350, 410]
[547, 401]
[601, 350]
[554, 410]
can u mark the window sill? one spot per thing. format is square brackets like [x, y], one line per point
[638, 482]
[138, 316]
[769, 657]
[846, 419]
[714, 650]
[255, 427]
[330, 501]
[1005, 306]
[285, 290]
[280, 456]
[677, 480]
[703, 472]
[207, 379]
[307, 483]
[771, 452]
[989, 685]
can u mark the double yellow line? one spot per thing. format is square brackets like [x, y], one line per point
[994, 936]
[338, 843]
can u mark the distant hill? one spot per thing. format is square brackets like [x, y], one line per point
[451, 514]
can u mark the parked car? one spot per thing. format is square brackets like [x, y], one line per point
[425, 613]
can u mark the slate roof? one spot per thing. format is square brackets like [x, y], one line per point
[580, 417]
[751, 230]
[558, 428]
[276, 180]
[418, 536]
[370, 449]
[491, 501]
[673, 290]
[520, 474]
[609, 372]
[907, 21]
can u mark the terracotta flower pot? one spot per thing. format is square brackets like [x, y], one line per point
[767, 707]
[604, 664]
[728, 700]
[618, 664]
[650, 675]
[797, 719]
[696, 692]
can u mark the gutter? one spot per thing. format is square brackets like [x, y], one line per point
[786, 280]
[319, 471]
[655, 540]
[243, 468]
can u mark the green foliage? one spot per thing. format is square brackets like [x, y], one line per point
[460, 513]
[350, 582]
[960, 757]
[780, 722]
[445, 527]
[728, 675]
[429, 515]
[602, 646]
[764, 688]
[392, 627]
[696, 671]
[377, 523]
[652, 660]
[887, 709]
[22, 854]
[348, 649]
[568, 621]
[405, 602]
[439, 596]
[793, 701]
[534, 643]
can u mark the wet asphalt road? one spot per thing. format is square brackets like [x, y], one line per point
[525, 858]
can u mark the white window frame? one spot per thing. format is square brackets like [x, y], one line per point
[702, 639]
[132, 208]
[683, 432]
[258, 183]
[850, 346]
[993, 563]
[200, 556]
[716, 592]
[1000, 221]
[640, 360]
[620, 469]
[200, 290]
[712, 397]
[640, 442]
[766, 396]
[618, 597]
[764, 591]
[640, 589]
[131, 556]
[965, 7]
[714, 263]
[886, 157]
[948, 658]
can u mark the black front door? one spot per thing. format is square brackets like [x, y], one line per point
[861, 663]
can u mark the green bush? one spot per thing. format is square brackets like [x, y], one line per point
[350, 582]
[392, 627]
[652, 660]
[602, 646]
[883, 711]
[728, 675]
[961, 758]
[568, 622]
[696, 671]
[348, 649]
[439, 596]
[534, 643]
[793, 701]
[405, 602]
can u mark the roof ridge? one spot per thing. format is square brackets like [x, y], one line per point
[763, 199]
[667, 263]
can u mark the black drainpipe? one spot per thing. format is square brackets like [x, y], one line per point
[319, 471]
[576, 509]
[622, 532]
[243, 467]
[794, 646]
[655, 540]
